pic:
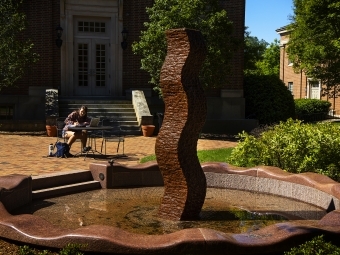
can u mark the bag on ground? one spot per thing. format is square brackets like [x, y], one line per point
[63, 150]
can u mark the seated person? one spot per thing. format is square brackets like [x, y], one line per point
[78, 117]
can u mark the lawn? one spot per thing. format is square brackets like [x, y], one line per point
[216, 155]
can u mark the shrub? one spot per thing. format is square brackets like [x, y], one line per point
[72, 249]
[69, 249]
[311, 106]
[311, 109]
[267, 99]
[316, 246]
[294, 147]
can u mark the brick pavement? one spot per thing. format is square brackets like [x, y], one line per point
[27, 154]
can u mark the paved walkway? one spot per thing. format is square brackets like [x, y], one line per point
[27, 154]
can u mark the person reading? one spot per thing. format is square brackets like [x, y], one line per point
[77, 118]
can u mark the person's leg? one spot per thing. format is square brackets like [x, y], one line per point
[83, 138]
[71, 137]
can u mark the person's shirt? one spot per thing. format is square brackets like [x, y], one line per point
[74, 117]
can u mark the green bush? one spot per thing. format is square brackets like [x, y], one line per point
[311, 106]
[267, 99]
[294, 147]
[317, 246]
[69, 249]
[311, 109]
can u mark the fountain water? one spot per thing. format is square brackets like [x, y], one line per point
[176, 154]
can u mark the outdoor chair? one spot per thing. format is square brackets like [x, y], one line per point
[114, 135]
[60, 122]
[93, 135]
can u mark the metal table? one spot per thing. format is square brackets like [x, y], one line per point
[98, 128]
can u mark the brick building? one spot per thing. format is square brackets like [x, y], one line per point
[299, 84]
[92, 31]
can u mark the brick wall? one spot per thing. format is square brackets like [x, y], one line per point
[299, 80]
[236, 11]
[43, 18]
[135, 15]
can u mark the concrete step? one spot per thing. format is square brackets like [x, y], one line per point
[58, 184]
[83, 100]
[65, 189]
[103, 108]
[98, 104]
[59, 179]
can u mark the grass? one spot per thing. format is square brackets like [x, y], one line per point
[216, 155]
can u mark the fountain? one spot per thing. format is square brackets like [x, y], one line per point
[177, 160]
[185, 113]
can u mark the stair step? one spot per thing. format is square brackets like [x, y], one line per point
[65, 189]
[99, 104]
[104, 107]
[60, 179]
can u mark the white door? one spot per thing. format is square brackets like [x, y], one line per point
[91, 67]
[314, 88]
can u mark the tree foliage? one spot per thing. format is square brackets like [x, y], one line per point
[204, 15]
[261, 57]
[15, 54]
[270, 62]
[314, 44]
[267, 98]
[253, 51]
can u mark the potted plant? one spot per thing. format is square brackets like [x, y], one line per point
[51, 111]
[148, 130]
[51, 126]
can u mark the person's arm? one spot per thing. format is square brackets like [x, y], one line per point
[88, 120]
[71, 118]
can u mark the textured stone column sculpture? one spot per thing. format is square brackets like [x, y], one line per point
[184, 117]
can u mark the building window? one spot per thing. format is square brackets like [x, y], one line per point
[89, 26]
[290, 62]
[6, 112]
[290, 87]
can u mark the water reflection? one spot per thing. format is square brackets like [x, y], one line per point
[135, 210]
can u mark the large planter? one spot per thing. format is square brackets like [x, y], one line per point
[148, 130]
[51, 130]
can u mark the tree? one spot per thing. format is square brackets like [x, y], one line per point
[253, 51]
[314, 45]
[270, 62]
[204, 15]
[267, 98]
[261, 57]
[15, 54]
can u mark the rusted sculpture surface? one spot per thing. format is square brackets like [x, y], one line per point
[184, 117]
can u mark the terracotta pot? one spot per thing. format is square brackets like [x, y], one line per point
[148, 130]
[51, 130]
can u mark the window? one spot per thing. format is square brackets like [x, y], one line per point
[290, 87]
[100, 65]
[290, 62]
[6, 112]
[89, 26]
[82, 64]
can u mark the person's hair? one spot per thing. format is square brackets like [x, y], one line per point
[83, 107]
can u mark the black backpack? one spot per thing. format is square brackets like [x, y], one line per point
[63, 150]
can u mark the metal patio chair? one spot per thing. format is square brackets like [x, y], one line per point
[114, 135]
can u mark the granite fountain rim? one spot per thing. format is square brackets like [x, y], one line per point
[34, 230]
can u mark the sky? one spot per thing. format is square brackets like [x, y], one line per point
[263, 17]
